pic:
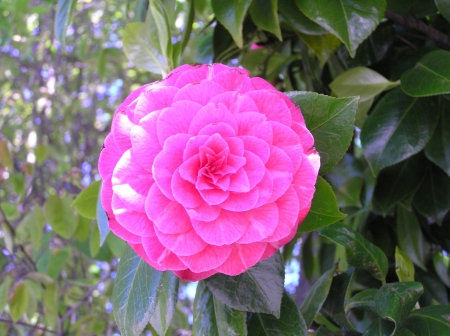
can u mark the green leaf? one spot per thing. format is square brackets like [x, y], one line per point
[404, 267]
[214, 318]
[430, 76]
[116, 245]
[380, 327]
[441, 266]
[410, 237]
[360, 252]
[140, 10]
[430, 321]
[264, 14]
[166, 305]
[30, 228]
[324, 210]
[434, 290]
[352, 21]
[10, 210]
[18, 182]
[136, 293]
[316, 296]
[438, 148]
[63, 18]
[86, 201]
[102, 221]
[297, 20]
[394, 301]
[57, 262]
[323, 45]
[330, 120]
[398, 127]
[41, 152]
[94, 241]
[60, 215]
[363, 300]
[257, 290]
[19, 302]
[51, 305]
[290, 322]
[5, 155]
[349, 193]
[4, 291]
[433, 199]
[394, 183]
[231, 15]
[444, 8]
[157, 22]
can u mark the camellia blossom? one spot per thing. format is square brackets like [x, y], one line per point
[207, 171]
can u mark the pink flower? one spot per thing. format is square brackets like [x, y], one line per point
[207, 171]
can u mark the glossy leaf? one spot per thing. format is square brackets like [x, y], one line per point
[430, 321]
[444, 8]
[231, 15]
[167, 301]
[404, 267]
[434, 289]
[316, 296]
[136, 293]
[264, 14]
[50, 299]
[214, 318]
[438, 148]
[60, 215]
[102, 221]
[394, 301]
[323, 45]
[330, 120]
[18, 303]
[86, 201]
[433, 199]
[159, 28]
[380, 327]
[430, 76]
[360, 252]
[4, 291]
[351, 21]
[297, 20]
[290, 322]
[63, 18]
[441, 266]
[257, 290]
[324, 210]
[397, 128]
[363, 300]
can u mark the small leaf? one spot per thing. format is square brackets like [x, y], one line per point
[136, 293]
[330, 120]
[394, 301]
[51, 305]
[290, 322]
[324, 210]
[4, 291]
[264, 14]
[167, 301]
[397, 128]
[363, 300]
[258, 290]
[102, 221]
[41, 152]
[438, 148]
[404, 267]
[63, 18]
[360, 252]
[61, 216]
[430, 321]
[444, 8]
[316, 296]
[86, 201]
[231, 15]
[5, 155]
[214, 318]
[441, 266]
[19, 302]
[41, 278]
[430, 76]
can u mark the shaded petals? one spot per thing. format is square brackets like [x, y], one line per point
[221, 128]
[204, 212]
[140, 251]
[182, 244]
[109, 156]
[265, 189]
[160, 255]
[241, 258]
[235, 102]
[241, 201]
[188, 275]
[262, 223]
[257, 146]
[233, 80]
[210, 258]
[213, 196]
[281, 169]
[254, 168]
[185, 192]
[272, 106]
[199, 92]
[123, 233]
[212, 114]
[239, 181]
[270, 251]
[193, 146]
[189, 169]
[135, 222]
[195, 75]
[305, 136]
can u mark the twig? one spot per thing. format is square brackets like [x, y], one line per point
[413, 23]
[11, 322]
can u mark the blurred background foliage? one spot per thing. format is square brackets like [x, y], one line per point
[66, 65]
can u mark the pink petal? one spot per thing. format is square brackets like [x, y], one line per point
[160, 255]
[173, 76]
[133, 221]
[301, 217]
[123, 233]
[168, 216]
[131, 183]
[283, 136]
[262, 84]
[216, 143]
[176, 119]
[109, 156]
[167, 161]
[257, 146]
[239, 181]
[295, 110]
[280, 167]
[306, 138]
[270, 251]
[262, 223]
[211, 257]
[188, 275]
[139, 249]
[272, 106]
[236, 145]
[194, 75]
[242, 257]
[265, 189]
[212, 114]
[254, 168]
[106, 195]
[241, 201]
[219, 67]
[204, 212]
[314, 159]
[156, 98]
[233, 80]
[189, 169]
[199, 92]
[213, 196]
[253, 124]
[182, 244]
[225, 229]
[121, 128]
[132, 97]
[185, 192]
[193, 145]
[305, 180]
[145, 144]
[221, 128]
[235, 102]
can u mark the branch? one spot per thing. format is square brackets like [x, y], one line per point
[11, 322]
[411, 22]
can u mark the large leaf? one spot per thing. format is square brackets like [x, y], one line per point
[258, 290]
[433, 197]
[352, 21]
[324, 210]
[136, 292]
[323, 45]
[316, 296]
[438, 148]
[404, 267]
[297, 20]
[214, 318]
[63, 17]
[430, 76]
[18, 303]
[363, 300]
[349, 193]
[410, 237]
[60, 215]
[290, 322]
[330, 120]
[398, 127]
[231, 15]
[264, 14]
[394, 301]
[167, 301]
[360, 252]
[380, 327]
[5, 155]
[86, 201]
[4, 291]
[51, 305]
[430, 321]
[444, 8]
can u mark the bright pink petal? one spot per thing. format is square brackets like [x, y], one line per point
[213, 196]
[182, 244]
[241, 258]
[254, 168]
[225, 229]
[221, 128]
[270, 251]
[160, 255]
[272, 106]
[109, 156]
[204, 212]
[193, 146]
[121, 128]
[241, 201]
[106, 195]
[133, 221]
[212, 114]
[219, 67]
[262, 84]
[123, 233]
[216, 143]
[185, 192]
[265, 189]
[156, 98]
[262, 223]
[235, 102]
[188, 275]
[281, 169]
[189, 169]
[210, 258]
[239, 181]
[200, 93]
[132, 97]
[233, 80]
[301, 216]
[305, 136]
[304, 181]
[173, 76]
[194, 75]
[140, 251]
[236, 145]
[295, 110]
[257, 146]
[253, 124]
